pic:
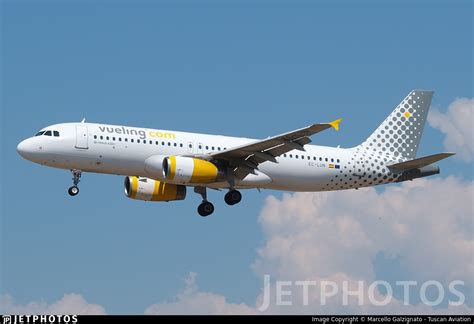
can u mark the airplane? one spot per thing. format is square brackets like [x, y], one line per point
[159, 165]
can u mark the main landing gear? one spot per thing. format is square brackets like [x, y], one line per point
[233, 197]
[76, 178]
[206, 208]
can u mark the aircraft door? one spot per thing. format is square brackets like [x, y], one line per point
[190, 147]
[81, 137]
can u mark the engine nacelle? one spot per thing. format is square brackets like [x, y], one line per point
[154, 166]
[189, 170]
[153, 190]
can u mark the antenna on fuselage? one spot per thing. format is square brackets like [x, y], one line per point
[83, 120]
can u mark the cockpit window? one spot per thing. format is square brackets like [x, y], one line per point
[56, 133]
[47, 133]
[40, 133]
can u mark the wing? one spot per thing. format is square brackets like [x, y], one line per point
[245, 159]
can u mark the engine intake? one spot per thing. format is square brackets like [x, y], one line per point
[153, 190]
[189, 170]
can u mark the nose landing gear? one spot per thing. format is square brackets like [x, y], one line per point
[76, 178]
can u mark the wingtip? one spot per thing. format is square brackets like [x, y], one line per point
[335, 123]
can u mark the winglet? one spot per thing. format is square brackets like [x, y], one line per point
[335, 124]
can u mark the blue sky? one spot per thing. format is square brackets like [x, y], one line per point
[234, 68]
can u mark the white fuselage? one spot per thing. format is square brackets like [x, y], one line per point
[122, 150]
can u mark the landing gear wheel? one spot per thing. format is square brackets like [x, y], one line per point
[73, 191]
[233, 197]
[205, 209]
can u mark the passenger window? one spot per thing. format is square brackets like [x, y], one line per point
[40, 133]
[338, 160]
[107, 138]
[131, 140]
[113, 138]
[175, 144]
[332, 160]
[326, 159]
[181, 145]
[126, 139]
[284, 155]
[200, 146]
[169, 144]
[218, 148]
[291, 155]
[207, 147]
[138, 141]
[47, 133]
[95, 136]
[101, 137]
[213, 148]
[56, 133]
[309, 157]
[163, 143]
[314, 158]
[296, 156]
[320, 159]
[151, 142]
[157, 143]
[120, 139]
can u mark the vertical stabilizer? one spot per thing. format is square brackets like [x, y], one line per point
[400, 133]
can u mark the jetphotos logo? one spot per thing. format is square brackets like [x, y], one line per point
[143, 134]
[305, 293]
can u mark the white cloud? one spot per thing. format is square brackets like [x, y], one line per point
[316, 236]
[457, 124]
[68, 304]
[335, 236]
[193, 301]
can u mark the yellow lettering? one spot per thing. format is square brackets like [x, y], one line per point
[169, 135]
[159, 134]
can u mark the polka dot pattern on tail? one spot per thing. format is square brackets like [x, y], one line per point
[400, 133]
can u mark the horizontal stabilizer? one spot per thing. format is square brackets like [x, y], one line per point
[418, 163]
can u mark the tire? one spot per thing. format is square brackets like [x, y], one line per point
[205, 209]
[73, 191]
[233, 197]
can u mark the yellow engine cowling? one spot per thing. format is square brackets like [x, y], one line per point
[180, 169]
[153, 190]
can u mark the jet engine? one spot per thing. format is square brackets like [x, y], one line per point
[153, 190]
[189, 170]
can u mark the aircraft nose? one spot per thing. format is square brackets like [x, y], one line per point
[25, 149]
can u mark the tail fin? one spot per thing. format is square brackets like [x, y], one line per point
[400, 132]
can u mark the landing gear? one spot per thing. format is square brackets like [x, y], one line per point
[76, 178]
[72, 191]
[233, 197]
[205, 208]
